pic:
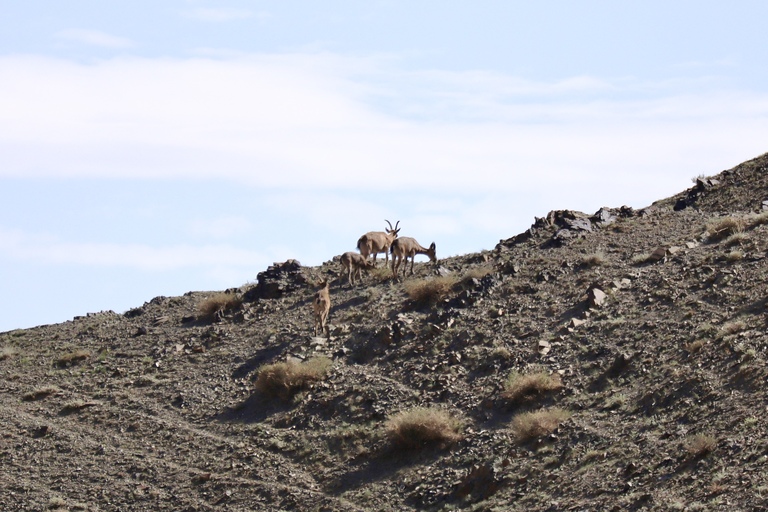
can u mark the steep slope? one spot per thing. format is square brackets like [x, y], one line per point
[651, 323]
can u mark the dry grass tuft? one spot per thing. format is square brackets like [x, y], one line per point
[640, 259]
[478, 272]
[700, 445]
[736, 239]
[380, 274]
[593, 260]
[283, 380]
[218, 304]
[423, 425]
[40, 393]
[532, 425]
[733, 327]
[424, 292]
[757, 219]
[525, 388]
[723, 228]
[73, 357]
[7, 353]
[57, 503]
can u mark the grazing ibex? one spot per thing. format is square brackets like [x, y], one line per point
[375, 242]
[354, 264]
[322, 306]
[406, 247]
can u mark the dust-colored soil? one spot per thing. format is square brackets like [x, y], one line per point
[662, 361]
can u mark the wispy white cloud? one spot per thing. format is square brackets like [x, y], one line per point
[220, 227]
[95, 38]
[222, 14]
[50, 250]
[316, 121]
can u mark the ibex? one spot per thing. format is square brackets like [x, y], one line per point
[375, 242]
[354, 264]
[406, 247]
[322, 306]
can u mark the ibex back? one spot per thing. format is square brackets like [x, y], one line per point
[375, 242]
[322, 306]
[354, 264]
[406, 247]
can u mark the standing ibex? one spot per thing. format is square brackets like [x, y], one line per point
[406, 247]
[322, 306]
[375, 242]
[354, 264]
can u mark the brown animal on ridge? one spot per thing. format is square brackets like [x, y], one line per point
[321, 306]
[354, 264]
[375, 242]
[405, 247]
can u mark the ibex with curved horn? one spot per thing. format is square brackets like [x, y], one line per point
[406, 247]
[375, 242]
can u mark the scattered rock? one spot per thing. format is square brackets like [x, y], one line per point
[658, 254]
[596, 297]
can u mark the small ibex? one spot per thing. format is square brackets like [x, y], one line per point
[375, 242]
[354, 264]
[322, 306]
[406, 247]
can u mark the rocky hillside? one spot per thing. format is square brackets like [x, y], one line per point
[614, 361]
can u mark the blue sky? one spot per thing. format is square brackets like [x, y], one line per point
[154, 148]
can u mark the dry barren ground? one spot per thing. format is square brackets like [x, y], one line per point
[614, 361]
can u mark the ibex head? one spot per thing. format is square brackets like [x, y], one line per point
[393, 231]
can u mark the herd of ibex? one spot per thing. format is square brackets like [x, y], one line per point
[353, 264]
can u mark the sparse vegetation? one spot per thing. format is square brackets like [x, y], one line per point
[757, 219]
[477, 272]
[283, 380]
[695, 346]
[73, 357]
[40, 393]
[218, 304]
[732, 327]
[736, 239]
[421, 425]
[700, 445]
[528, 387]
[723, 228]
[665, 382]
[593, 260]
[57, 503]
[424, 292]
[7, 352]
[640, 259]
[699, 177]
[532, 425]
[380, 274]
